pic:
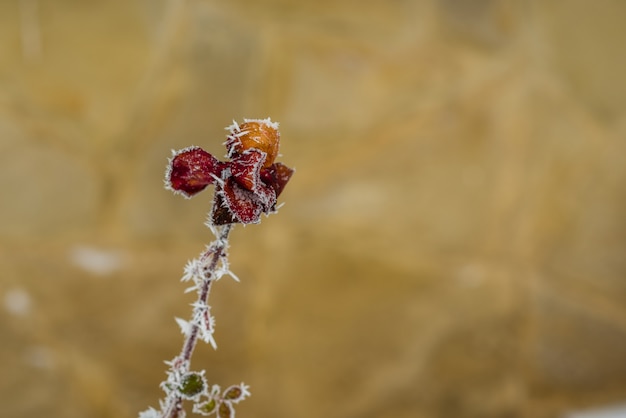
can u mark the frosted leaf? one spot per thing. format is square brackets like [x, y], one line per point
[193, 385]
[150, 413]
[206, 408]
[225, 410]
[236, 393]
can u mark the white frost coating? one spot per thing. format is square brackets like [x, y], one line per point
[205, 322]
[191, 289]
[245, 390]
[17, 302]
[96, 261]
[192, 269]
[185, 326]
[234, 127]
[224, 270]
[233, 275]
[206, 331]
[175, 374]
[218, 180]
[266, 121]
[150, 413]
[240, 134]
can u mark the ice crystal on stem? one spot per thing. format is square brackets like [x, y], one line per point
[246, 186]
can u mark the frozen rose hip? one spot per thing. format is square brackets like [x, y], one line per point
[262, 135]
[247, 185]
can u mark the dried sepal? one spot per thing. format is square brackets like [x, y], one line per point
[246, 169]
[245, 205]
[220, 213]
[190, 170]
[277, 176]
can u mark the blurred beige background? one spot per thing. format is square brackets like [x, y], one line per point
[453, 243]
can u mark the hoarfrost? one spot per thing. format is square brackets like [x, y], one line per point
[150, 413]
[266, 121]
[192, 269]
[185, 326]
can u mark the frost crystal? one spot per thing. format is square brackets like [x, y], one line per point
[150, 413]
[205, 323]
[185, 326]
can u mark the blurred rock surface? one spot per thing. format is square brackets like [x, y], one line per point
[453, 243]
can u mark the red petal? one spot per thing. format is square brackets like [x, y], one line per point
[277, 175]
[191, 170]
[243, 204]
[246, 168]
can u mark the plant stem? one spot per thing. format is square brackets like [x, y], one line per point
[180, 365]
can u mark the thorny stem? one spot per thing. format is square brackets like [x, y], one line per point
[209, 260]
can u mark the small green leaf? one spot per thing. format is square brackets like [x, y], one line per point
[206, 408]
[193, 384]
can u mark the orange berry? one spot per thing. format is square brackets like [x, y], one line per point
[256, 134]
